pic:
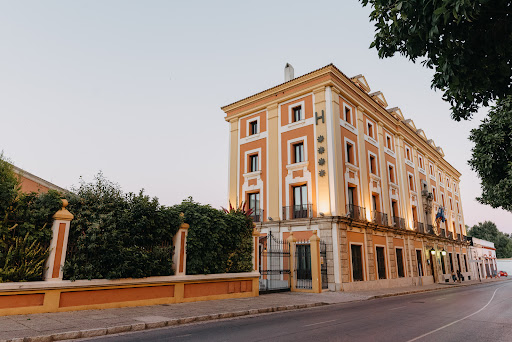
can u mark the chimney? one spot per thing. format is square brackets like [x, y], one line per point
[288, 73]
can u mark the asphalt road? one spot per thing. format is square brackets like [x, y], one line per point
[474, 313]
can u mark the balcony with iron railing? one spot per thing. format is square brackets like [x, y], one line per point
[380, 218]
[449, 235]
[430, 229]
[257, 215]
[398, 222]
[459, 237]
[356, 213]
[297, 211]
[418, 226]
[442, 232]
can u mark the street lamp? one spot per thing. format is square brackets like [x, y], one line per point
[443, 252]
[433, 251]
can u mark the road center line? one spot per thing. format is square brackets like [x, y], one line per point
[457, 321]
[182, 335]
[308, 325]
[398, 307]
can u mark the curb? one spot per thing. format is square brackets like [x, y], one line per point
[153, 325]
[69, 335]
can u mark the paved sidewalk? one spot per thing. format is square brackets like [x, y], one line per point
[89, 323]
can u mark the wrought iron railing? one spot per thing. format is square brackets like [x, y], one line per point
[257, 215]
[449, 235]
[442, 232]
[458, 237]
[430, 229]
[380, 218]
[297, 211]
[418, 226]
[355, 212]
[398, 222]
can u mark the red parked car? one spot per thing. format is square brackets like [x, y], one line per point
[503, 274]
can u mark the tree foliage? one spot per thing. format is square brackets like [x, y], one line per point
[492, 155]
[25, 228]
[488, 231]
[218, 241]
[118, 235]
[468, 43]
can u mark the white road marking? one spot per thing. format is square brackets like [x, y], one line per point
[457, 321]
[308, 325]
[182, 335]
[398, 308]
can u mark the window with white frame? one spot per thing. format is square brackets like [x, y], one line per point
[297, 114]
[298, 152]
[391, 173]
[349, 152]
[348, 114]
[254, 163]
[431, 170]
[408, 154]
[420, 162]
[369, 129]
[389, 142]
[253, 127]
[411, 182]
[372, 161]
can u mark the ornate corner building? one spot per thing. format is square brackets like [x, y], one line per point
[322, 152]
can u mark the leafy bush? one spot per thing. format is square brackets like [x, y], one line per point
[25, 228]
[217, 242]
[117, 235]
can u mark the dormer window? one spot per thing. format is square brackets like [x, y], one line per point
[297, 113]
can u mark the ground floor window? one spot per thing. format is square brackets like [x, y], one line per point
[381, 263]
[458, 262]
[465, 263]
[451, 261]
[400, 263]
[357, 262]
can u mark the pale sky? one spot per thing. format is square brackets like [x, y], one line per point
[134, 88]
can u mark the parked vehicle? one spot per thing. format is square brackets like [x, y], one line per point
[503, 274]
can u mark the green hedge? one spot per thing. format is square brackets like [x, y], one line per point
[218, 242]
[117, 235]
[25, 228]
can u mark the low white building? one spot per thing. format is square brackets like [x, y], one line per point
[505, 265]
[483, 258]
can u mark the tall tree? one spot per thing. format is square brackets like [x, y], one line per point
[467, 42]
[492, 156]
[489, 231]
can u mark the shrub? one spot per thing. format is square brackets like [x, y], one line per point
[217, 242]
[117, 235]
[25, 228]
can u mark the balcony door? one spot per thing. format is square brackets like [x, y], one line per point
[254, 205]
[300, 201]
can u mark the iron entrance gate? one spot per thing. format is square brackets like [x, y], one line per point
[274, 264]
